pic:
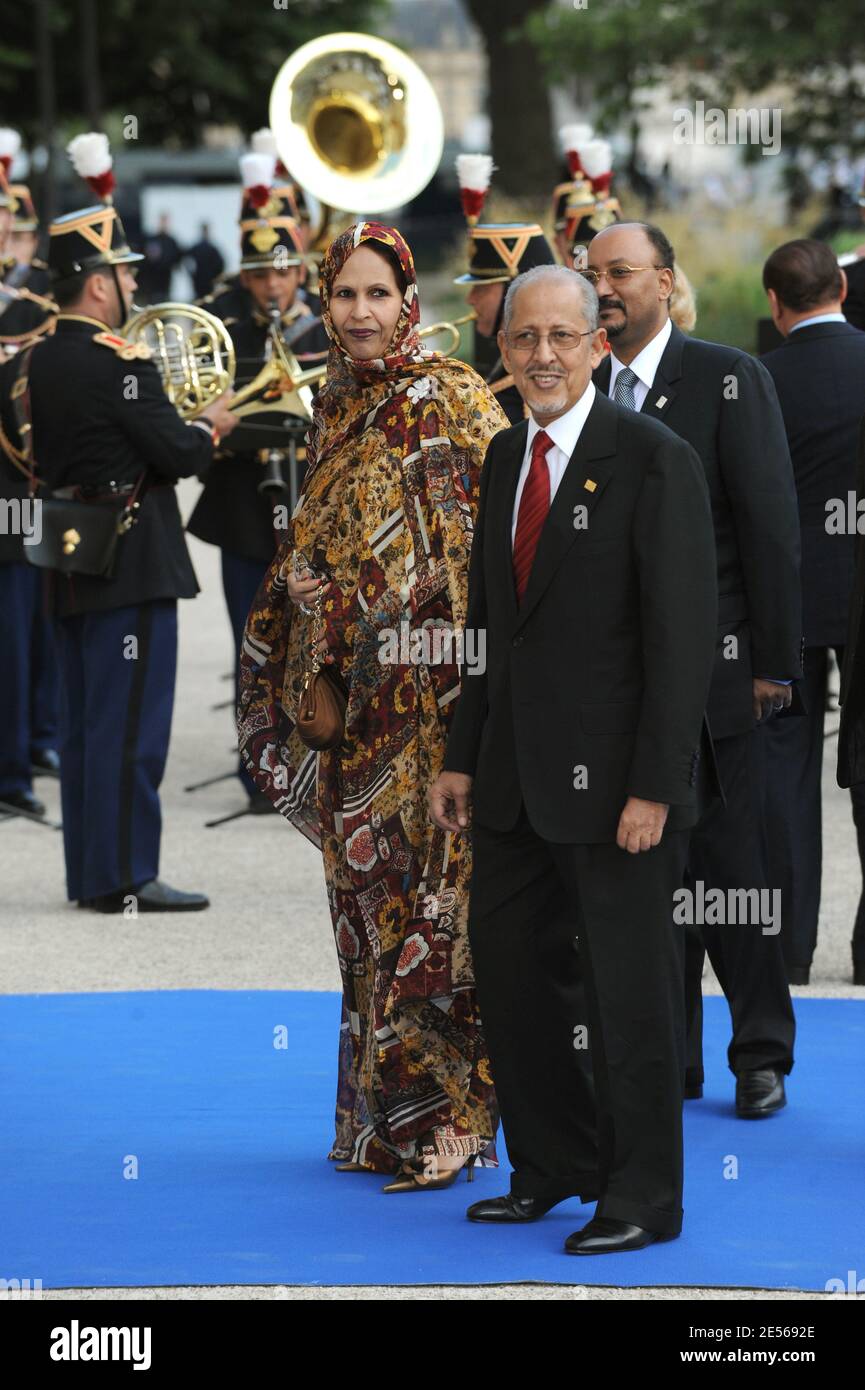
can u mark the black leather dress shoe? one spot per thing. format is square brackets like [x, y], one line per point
[154, 896]
[694, 1092]
[23, 801]
[604, 1236]
[46, 760]
[798, 974]
[760, 1093]
[513, 1210]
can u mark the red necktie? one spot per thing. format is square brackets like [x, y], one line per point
[534, 505]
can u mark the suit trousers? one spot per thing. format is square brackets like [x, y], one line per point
[28, 691]
[619, 1139]
[117, 698]
[728, 851]
[241, 578]
[794, 822]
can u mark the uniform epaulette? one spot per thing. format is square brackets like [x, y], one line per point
[123, 347]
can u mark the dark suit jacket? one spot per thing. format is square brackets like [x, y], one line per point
[819, 375]
[854, 304]
[606, 664]
[743, 449]
[851, 736]
[99, 419]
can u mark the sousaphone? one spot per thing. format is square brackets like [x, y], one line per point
[356, 123]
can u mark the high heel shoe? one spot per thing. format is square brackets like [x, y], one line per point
[415, 1181]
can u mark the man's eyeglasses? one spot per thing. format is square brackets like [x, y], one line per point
[560, 339]
[615, 273]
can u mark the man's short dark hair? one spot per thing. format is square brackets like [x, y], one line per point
[662, 247]
[66, 293]
[804, 274]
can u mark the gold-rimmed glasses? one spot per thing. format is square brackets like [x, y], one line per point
[616, 274]
[560, 339]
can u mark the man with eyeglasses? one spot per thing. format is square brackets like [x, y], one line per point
[593, 580]
[723, 402]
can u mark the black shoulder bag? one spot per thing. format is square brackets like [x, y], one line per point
[75, 536]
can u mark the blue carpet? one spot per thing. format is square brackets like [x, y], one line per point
[230, 1136]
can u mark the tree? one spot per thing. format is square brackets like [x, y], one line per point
[175, 67]
[519, 103]
[720, 54]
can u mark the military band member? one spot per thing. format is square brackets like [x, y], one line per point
[574, 194]
[26, 306]
[89, 411]
[236, 507]
[595, 207]
[498, 253]
[28, 688]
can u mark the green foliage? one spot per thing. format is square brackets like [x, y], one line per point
[175, 67]
[718, 52]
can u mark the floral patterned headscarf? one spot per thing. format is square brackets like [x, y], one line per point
[353, 388]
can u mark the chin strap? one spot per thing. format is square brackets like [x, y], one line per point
[120, 304]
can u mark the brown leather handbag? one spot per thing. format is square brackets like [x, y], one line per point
[322, 704]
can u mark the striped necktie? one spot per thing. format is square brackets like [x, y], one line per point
[534, 505]
[623, 391]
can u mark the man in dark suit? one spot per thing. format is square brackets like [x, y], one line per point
[103, 431]
[823, 359]
[592, 585]
[723, 403]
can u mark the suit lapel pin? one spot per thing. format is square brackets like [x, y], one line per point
[590, 485]
[660, 402]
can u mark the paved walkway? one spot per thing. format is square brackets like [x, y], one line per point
[268, 926]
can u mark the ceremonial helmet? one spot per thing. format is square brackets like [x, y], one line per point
[91, 236]
[574, 191]
[269, 231]
[10, 144]
[24, 217]
[264, 142]
[595, 208]
[498, 251]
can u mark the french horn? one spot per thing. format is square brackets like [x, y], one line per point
[194, 354]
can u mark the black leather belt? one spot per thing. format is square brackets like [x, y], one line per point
[91, 492]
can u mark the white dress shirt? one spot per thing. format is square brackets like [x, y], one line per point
[564, 432]
[645, 364]
[818, 318]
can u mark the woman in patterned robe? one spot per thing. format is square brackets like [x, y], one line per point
[385, 522]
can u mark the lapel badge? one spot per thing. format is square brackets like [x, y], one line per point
[660, 402]
[590, 485]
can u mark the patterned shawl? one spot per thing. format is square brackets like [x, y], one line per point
[387, 509]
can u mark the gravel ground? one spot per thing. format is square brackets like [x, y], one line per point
[268, 926]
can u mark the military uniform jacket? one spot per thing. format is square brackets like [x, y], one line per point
[22, 316]
[98, 418]
[230, 512]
